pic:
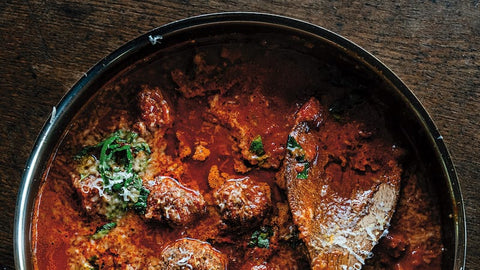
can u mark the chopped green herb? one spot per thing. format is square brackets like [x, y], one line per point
[295, 149]
[256, 146]
[304, 173]
[141, 146]
[292, 144]
[261, 238]
[103, 230]
[120, 159]
[141, 203]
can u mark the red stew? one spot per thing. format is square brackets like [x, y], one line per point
[216, 126]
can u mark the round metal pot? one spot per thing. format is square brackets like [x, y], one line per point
[422, 131]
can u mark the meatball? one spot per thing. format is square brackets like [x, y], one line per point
[173, 202]
[192, 254]
[90, 192]
[242, 201]
[155, 110]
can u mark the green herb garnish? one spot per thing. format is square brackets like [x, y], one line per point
[292, 144]
[297, 151]
[121, 156]
[116, 154]
[304, 173]
[103, 230]
[261, 237]
[141, 205]
[295, 148]
[256, 146]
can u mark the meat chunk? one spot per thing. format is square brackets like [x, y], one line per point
[184, 150]
[173, 202]
[106, 176]
[341, 211]
[201, 153]
[207, 75]
[192, 254]
[310, 112]
[90, 191]
[242, 201]
[414, 239]
[154, 110]
[260, 133]
[216, 178]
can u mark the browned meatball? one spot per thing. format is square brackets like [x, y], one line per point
[171, 201]
[90, 192]
[154, 109]
[242, 201]
[192, 254]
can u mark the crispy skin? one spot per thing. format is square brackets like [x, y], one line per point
[341, 210]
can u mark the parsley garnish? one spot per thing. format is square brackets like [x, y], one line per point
[292, 144]
[295, 148]
[297, 151]
[117, 155]
[261, 238]
[304, 174]
[256, 146]
[103, 230]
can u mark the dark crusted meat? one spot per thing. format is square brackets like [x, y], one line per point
[192, 254]
[242, 201]
[154, 110]
[90, 192]
[173, 202]
[340, 207]
[207, 76]
[249, 121]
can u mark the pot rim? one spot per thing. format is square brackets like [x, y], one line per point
[59, 117]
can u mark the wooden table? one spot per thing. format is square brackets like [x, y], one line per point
[45, 47]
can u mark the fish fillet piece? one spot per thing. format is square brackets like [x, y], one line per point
[342, 188]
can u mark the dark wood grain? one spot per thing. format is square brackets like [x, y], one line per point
[45, 47]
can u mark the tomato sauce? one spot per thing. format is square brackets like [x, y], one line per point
[221, 99]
